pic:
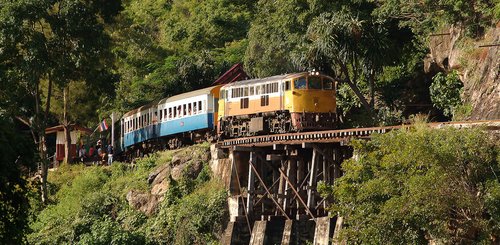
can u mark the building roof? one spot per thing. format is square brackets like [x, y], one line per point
[74, 127]
[235, 73]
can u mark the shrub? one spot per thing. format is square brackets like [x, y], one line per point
[445, 92]
[422, 184]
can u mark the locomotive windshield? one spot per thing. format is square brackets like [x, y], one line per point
[327, 84]
[300, 83]
[314, 82]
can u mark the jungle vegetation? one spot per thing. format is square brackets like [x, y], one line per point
[66, 61]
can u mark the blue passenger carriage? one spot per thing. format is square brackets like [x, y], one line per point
[183, 118]
[139, 125]
[188, 116]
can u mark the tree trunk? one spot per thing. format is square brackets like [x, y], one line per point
[67, 127]
[354, 87]
[44, 167]
[38, 126]
[372, 89]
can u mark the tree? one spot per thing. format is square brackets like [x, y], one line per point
[53, 42]
[16, 152]
[342, 39]
[276, 32]
[169, 47]
[422, 184]
[445, 92]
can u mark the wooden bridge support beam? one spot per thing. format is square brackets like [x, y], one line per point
[311, 204]
[251, 184]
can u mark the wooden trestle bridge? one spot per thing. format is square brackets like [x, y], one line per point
[274, 179]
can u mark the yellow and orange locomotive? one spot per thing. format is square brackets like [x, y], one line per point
[277, 104]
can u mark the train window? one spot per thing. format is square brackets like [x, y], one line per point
[268, 88]
[200, 108]
[252, 90]
[314, 82]
[161, 114]
[258, 90]
[287, 85]
[244, 103]
[264, 100]
[327, 84]
[245, 91]
[300, 83]
[189, 109]
[195, 108]
[275, 87]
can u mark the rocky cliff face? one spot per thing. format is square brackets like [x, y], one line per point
[186, 163]
[477, 64]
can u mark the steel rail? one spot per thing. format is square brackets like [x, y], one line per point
[341, 135]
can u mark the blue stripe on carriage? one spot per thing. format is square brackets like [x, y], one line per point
[140, 135]
[181, 125]
[186, 124]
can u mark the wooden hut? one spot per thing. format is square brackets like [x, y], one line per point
[76, 132]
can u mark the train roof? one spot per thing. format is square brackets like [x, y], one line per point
[265, 79]
[142, 108]
[188, 94]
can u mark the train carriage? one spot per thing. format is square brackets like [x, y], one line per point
[139, 125]
[189, 116]
[277, 104]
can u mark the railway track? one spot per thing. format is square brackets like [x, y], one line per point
[342, 135]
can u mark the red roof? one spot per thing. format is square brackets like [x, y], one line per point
[236, 73]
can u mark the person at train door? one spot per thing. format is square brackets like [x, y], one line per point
[110, 154]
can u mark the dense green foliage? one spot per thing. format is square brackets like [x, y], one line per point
[409, 187]
[118, 55]
[168, 47]
[89, 207]
[445, 92]
[16, 151]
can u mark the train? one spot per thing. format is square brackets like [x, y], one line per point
[278, 104]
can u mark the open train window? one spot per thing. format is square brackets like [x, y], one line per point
[190, 110]
[245, 91]
[200, 108]
[258, 90]
[314, 82]
[264, 100]
[275, 87]
[252, 90]
[300, 83]
[244, 103]
[287, 86]
[327, 84]
[195, 108]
